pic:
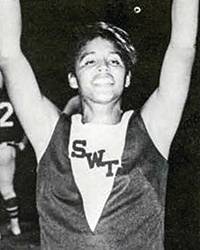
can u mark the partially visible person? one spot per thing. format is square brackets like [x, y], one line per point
[12, 139]
[73, 106]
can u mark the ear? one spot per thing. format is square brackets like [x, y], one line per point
[128, 79]
[72, 81]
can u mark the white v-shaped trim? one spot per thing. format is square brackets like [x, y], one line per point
[94, 201]
[94, 185]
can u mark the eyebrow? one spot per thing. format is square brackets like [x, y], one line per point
[93, 52]
[85, 54]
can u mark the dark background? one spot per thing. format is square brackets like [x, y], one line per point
[47, 26]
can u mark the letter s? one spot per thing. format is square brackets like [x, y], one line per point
[79, 151]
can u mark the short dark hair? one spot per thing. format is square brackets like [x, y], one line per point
[118, 36]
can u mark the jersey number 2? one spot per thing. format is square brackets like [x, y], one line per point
[4, 120]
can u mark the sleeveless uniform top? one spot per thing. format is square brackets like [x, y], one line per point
[133, 216]
[10, 129]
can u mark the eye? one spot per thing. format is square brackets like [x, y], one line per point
[89, 62]
[115, 62]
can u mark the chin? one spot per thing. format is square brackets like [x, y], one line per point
[105, 99]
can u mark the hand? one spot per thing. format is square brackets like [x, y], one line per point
[21, 146]
[73, 106]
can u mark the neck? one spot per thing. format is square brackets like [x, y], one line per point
[101, 113]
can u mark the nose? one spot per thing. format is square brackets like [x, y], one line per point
[103, 66]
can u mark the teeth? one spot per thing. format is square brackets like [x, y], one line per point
[103, 82]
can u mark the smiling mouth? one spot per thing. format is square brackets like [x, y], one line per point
[103, 82]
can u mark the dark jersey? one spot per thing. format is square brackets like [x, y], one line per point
[10, 129]
[133, 216]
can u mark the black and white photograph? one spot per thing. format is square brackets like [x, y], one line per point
[99, 125]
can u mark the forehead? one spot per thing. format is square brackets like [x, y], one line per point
[99, 45]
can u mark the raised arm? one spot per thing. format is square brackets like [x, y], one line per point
[162, 111]
[37, 115]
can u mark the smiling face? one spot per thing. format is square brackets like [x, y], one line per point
[100, 72]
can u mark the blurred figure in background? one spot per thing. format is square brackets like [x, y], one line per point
[12, 139]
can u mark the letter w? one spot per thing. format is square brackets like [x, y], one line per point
[95, 158]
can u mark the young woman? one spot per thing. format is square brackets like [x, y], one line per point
[102, 173]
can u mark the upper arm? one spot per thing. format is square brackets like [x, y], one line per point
[162, 111]
[37, 115]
